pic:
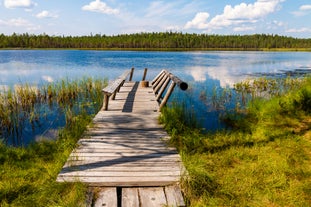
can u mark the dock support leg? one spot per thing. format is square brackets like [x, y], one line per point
[106, 101]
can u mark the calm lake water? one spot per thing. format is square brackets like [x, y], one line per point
[204, 71]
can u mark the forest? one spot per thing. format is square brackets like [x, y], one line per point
[156, 40]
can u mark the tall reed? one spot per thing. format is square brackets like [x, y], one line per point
[27, 105]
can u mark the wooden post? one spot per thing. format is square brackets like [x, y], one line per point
[106, 101]
[131, 74]
[182, 85]
[145, 73]
[167, 95]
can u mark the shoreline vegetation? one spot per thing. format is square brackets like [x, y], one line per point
[28, 172]
[160, 41]
[262, 160]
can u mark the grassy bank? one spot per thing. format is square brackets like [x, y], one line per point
[28, 174]
[264, 160]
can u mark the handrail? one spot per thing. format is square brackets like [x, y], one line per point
[115, 86]
[160, 83]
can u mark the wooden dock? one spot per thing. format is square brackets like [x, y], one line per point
[124, 152]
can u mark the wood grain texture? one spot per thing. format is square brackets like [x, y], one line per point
[152, 197]
[130, 197]
[107, 197]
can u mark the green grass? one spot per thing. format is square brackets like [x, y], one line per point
[265, 160]
[28, 174]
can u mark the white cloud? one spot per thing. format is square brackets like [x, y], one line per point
[199, 21]
[235, 15]
[19, 22]
[19, 4]
[300, 30]
[244, 13]
[303, 10]
[15, 22]
[46, 14]
[305, 7]
[101, 7]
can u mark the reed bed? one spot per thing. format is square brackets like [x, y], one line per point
[29, 106]
[224, 99]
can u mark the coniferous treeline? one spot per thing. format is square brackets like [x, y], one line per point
[161, 40]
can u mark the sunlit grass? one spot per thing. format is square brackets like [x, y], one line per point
[263, 160]
[28, 174]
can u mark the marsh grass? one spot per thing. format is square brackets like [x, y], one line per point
[28, 107]
[264, 160]
[28, 173]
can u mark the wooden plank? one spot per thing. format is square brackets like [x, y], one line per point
[174, 196]
[107, 197]
[116, 155]
[130, 197]
[152, 197]
[93, 164]
[138, 159]
[119, 174]
[124, 139]
[144, 169]
[124, 182]
[124, 146]
[125, 152]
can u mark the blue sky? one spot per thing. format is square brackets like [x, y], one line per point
[110, 17]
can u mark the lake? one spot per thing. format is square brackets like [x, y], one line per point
[203, 71]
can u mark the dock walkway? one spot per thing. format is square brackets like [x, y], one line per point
[124, 152]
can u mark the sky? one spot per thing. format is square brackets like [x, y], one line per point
[112, 17]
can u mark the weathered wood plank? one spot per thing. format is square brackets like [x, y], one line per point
[124, 146]
[127, 159]
[95, 164]
[152, 197]
[120, 174]
[130, 197]
[124, 182]
[125, 152]
[174, 196]
[144, 169]
[107, 197]
[115, 155]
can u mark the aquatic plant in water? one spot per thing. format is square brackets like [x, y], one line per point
[27, 112]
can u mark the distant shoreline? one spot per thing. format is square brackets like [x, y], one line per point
[174, 49]
[162, 41]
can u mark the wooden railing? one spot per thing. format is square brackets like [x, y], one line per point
[160, 83]
[114, 87]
